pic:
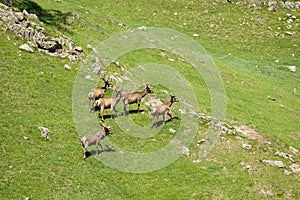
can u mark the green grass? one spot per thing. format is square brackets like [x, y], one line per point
[36, 90]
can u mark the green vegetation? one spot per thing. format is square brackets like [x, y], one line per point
[252, 52]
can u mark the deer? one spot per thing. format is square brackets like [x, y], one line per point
[98, 93]
[135, 97]
[94, 139]
[111, 103]
[163, 109]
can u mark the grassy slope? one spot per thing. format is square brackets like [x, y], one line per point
[36, 90]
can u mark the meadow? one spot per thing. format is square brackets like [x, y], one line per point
[252, 50]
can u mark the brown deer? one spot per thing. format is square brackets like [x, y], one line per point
[94, 139]
[98, 93]
[163, 109]
[135, 97]
[111, 103]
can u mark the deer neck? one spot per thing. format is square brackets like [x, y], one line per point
[144, 93]
[169, 104]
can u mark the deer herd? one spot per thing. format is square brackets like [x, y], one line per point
[99, 102]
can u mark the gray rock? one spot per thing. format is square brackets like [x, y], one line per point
[26, 47]
[295, 167]
[275, 163]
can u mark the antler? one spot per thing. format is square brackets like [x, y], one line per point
[104, 125]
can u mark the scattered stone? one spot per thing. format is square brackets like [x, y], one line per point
[68, 67]
[163, 54]
[25, 138]
[184, 151]
[79, 49]
[26, 47]
[172, 130]
[292, 68]
[271, 98]
[247, 146]
[89, 77]
[275, 163]
[143, 28]
[294, 150]
[91, 47]
[200, 141]
[285, 155]
[44, 132]
[20, 23]
[295, 167]
[286, 172]
[195, 35]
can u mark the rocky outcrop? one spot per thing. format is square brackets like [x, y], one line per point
[26, 26]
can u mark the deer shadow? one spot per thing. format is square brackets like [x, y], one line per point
[94, 152]
[129, 112]
[161, 122]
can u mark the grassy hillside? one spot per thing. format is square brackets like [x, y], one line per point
[250, 47]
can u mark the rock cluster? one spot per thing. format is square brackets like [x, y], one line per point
[272, 5]
[25, 25]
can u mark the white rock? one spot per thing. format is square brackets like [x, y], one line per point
[294, 150]
[184, 151]
[293, 68]
[247, 146]
[89, 77]
[26, 47]
[143, 28]
[67, 67]
[195, 35]
[295, 167]
[286, 172]
[172, 130]
[275, 163]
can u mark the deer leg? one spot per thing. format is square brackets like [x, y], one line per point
[97, 147]
[83, 150]
[125, 105]
[101, 113]
[138, 108]
[115, 111]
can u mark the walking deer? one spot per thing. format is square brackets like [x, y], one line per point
[162, 109]
[98, 93]
[111, 103]
[135, 97]
[94, 139]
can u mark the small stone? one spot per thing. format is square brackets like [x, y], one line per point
[68, 67]
[26, 47]
[293, 68]
[247, 146]
[286, 172]
[195, 35]
[201, 141]
[184, 151]
[172, 130]
[143, 28]
[79, 49]
[295, 167]
[274, 163]
[163, 54]
[292, 149]
[89, 77]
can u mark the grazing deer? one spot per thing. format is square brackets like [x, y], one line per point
[98, 93]
[163, 109]
[111, 103]
[135, 97]
[94, 139]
